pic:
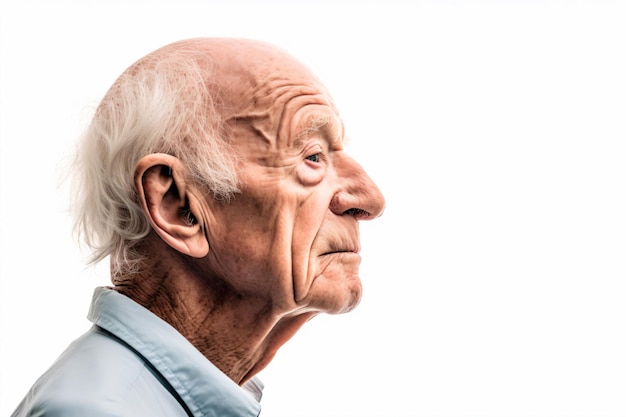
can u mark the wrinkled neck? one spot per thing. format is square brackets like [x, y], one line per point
[239, 334]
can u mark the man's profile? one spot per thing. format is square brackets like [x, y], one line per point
[214, 177]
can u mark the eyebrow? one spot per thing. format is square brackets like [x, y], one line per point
[327, 125]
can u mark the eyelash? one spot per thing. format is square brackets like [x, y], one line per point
[317, 157]
[316, 154]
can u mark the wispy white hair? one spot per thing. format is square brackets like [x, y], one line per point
[161, 104]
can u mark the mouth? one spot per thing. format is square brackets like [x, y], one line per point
[340, 243]
[338, 251]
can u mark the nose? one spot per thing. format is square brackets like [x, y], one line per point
[357, 194]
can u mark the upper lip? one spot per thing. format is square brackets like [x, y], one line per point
[339, 236]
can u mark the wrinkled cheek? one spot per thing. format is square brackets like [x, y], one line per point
[302, 285]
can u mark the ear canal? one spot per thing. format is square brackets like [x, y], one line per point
[187, 216]
[189, 219]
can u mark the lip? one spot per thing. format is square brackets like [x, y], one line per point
[341, 250]
[338, 252]
[339, 238]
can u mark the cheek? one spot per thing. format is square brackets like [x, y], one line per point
[254, 254]
[236, 260]
[239, 247]
[310, 240]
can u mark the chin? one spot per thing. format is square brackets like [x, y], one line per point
[337, 287]
[349, 306]
[338, 295]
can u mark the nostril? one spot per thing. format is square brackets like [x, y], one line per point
[357, 212]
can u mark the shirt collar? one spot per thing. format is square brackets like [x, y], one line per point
[205, 389]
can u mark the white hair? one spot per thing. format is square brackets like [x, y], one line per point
[161, 104]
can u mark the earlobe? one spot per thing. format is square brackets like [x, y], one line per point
[168, 204]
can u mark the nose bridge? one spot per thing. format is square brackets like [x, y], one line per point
[357, 191]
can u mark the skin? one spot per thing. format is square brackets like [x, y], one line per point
[247, 274]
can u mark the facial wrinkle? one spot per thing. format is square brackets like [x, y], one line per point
[285, 131]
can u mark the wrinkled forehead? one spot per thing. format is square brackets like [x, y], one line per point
[265, 90]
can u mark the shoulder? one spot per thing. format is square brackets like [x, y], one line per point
[62, 407]
[98, 376]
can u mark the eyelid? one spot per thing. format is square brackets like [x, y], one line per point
[317, 149]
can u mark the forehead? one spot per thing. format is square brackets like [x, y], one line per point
[271, 95]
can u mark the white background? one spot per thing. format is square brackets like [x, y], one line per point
[495, 282]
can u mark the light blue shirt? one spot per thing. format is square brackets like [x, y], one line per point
[132, 363]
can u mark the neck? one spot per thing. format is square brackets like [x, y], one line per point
[239, 334]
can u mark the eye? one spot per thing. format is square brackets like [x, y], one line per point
[314, 158]
[313, 165]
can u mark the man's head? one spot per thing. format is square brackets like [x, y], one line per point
[230, 153]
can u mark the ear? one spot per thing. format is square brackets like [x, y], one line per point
[172, 210]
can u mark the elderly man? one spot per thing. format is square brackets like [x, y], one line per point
[214, 176]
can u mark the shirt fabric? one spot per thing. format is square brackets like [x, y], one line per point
[132, 363]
